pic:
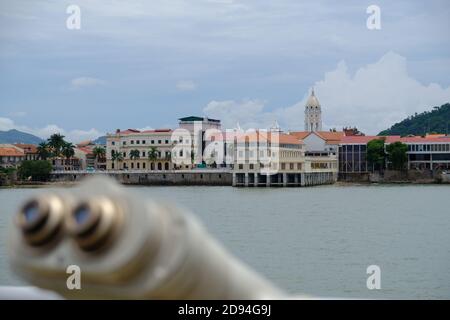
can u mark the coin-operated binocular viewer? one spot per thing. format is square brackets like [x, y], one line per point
[126, 246]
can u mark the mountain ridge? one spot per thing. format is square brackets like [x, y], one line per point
[16, 136]
[435, 121]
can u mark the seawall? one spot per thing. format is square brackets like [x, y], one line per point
[191, 177]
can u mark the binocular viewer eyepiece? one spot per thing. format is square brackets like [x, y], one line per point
[126, 246]
[40, 219]
[90, 223]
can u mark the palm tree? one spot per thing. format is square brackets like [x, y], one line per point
[116, 156]
[153, 154]
[134, 154]
[99, 153]
[56, 142]
[43, 150]
[68, 150]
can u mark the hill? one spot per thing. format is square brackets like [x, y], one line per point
[16, 136]
[436, 120]
[100, 140]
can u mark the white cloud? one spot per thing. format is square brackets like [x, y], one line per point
[246, 113]
[74, 136]
[84, 82]
[145, 128]
[186, 85]
[373, 98]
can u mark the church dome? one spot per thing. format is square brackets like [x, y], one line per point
[312, 101]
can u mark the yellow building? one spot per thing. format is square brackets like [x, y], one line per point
[135, 150]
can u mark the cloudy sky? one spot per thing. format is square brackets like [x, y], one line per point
[142, 64]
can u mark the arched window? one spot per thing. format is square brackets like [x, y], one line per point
[152, 166]
[159, 166]
[166, 166]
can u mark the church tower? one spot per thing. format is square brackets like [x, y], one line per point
[313, 114]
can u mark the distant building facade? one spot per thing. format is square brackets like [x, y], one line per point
[135, 148]
[30, 151]
[289, 165]
[198, 128]
[429, 152]
[11, 156]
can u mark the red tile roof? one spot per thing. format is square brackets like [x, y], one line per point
[392, 139]
[87, 150]
[300, 134]
[330, 137]
[425, 139]
[11, 152]
[28, 148]
[128, 131]
[358, 139]
[157, 130]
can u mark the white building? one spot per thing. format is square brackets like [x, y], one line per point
[313, 114]
[279, 159]
[197, 130]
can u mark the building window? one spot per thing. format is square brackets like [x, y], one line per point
[143, 165]
[159, 141]
[112, 165]
[113, 143]
[132, 165]
[241, 166]
[143, 141]
[137, 141]
[137, 165]
[167, 141]
[143, 153]
[291, 166]
[132, 141]
[283, 166]
[124, 143]
[299, 166]
[153, 141]
[251, 166]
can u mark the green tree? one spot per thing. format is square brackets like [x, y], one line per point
[99, 153]
[43, 150]
[56, 142]
[153, 154]
[38, 170]
[396, 155]
[68, 150]
[116, 157]
[436, 120]
[135, 154]
[376, 154]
